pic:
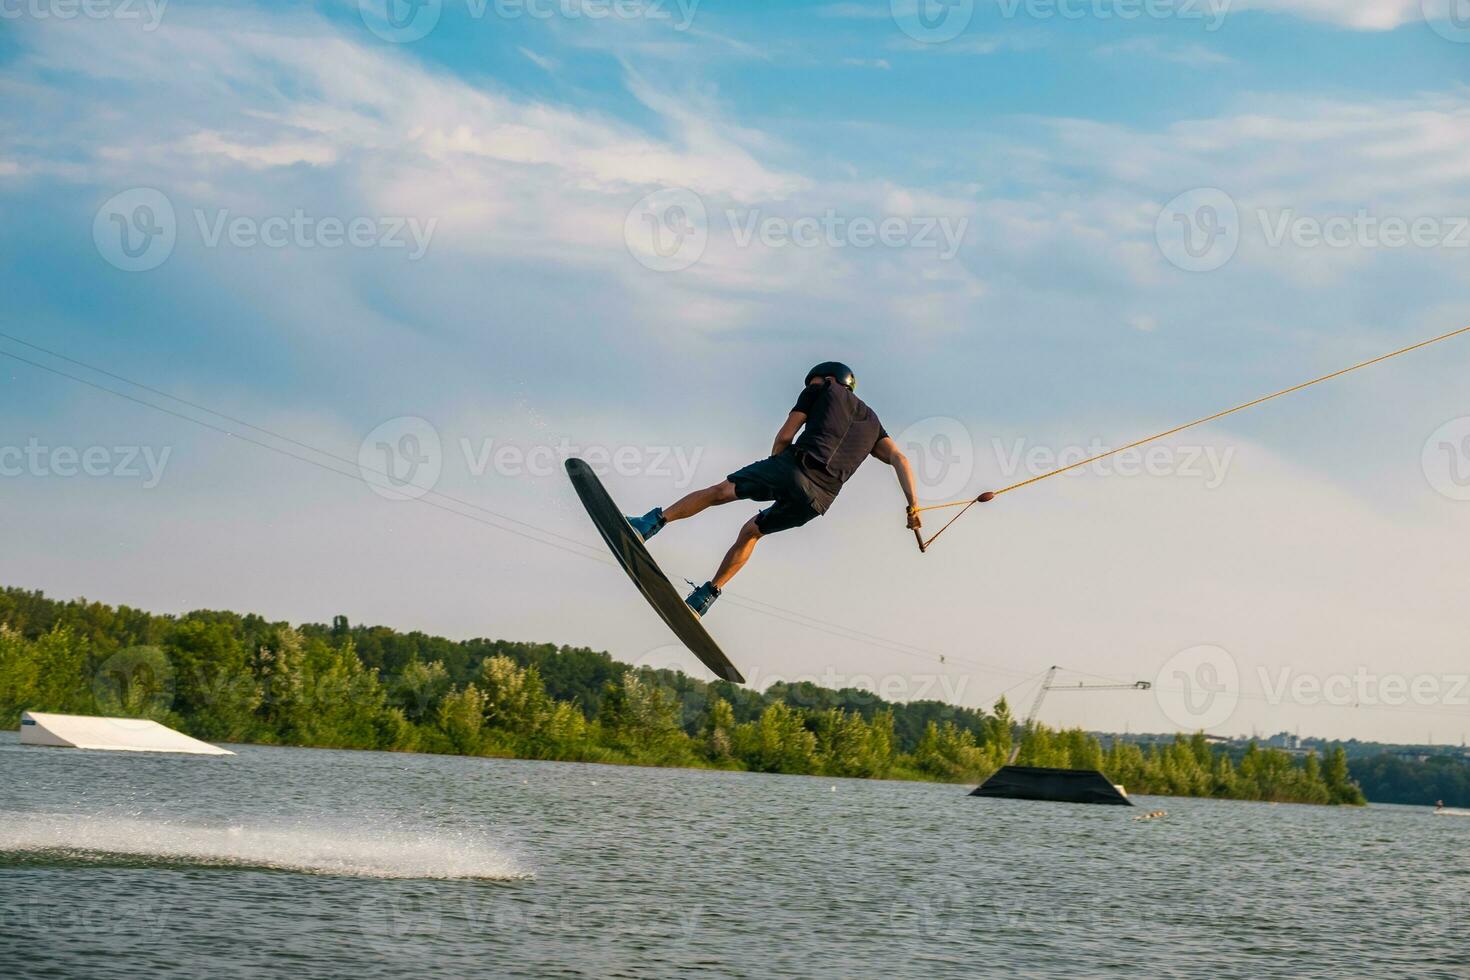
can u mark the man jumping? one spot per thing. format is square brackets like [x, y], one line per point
[802, 476]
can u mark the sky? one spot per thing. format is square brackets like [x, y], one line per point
[303, 305]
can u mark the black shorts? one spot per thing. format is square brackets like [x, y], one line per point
[780, 479]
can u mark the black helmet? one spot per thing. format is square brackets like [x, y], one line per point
[834, 369]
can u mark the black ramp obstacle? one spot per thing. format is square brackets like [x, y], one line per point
[1056, 785]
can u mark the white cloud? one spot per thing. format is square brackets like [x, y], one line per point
[856, 11]
[972, 44]
[1364, 15]
[278, 154]
[540, 61]
[1189, 54]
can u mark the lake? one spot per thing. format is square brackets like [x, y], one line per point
[315, 863]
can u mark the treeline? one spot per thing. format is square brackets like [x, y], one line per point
[1387, 778]
[225, 677]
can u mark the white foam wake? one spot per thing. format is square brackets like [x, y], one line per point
[364, 851]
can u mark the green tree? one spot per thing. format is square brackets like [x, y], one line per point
[719, 732]
[777, 742]
[1340, 786]
[462, 719]
[643, 721]
[949, 753]
[419, 688]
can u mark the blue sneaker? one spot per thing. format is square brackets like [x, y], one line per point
[649, 524]
[702, 598]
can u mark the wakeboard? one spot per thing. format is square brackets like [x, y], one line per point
[627, 547]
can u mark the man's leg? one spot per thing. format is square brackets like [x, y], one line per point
[738, 554]
[705, 595]
[699, 500]
[652, 522]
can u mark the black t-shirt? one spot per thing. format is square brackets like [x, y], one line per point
[841, 431]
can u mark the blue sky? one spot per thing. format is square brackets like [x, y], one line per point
[524, 149]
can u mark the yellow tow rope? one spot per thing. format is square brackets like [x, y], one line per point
[991, 495]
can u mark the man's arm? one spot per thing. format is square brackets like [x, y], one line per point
[887, 450]
[792, 425]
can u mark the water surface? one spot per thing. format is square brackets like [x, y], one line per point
[315, 863]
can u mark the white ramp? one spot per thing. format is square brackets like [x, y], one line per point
[108, 734]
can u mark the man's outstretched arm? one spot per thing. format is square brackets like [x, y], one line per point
[788, 432]
[887, 450]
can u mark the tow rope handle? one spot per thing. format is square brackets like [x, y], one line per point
[984, 498]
